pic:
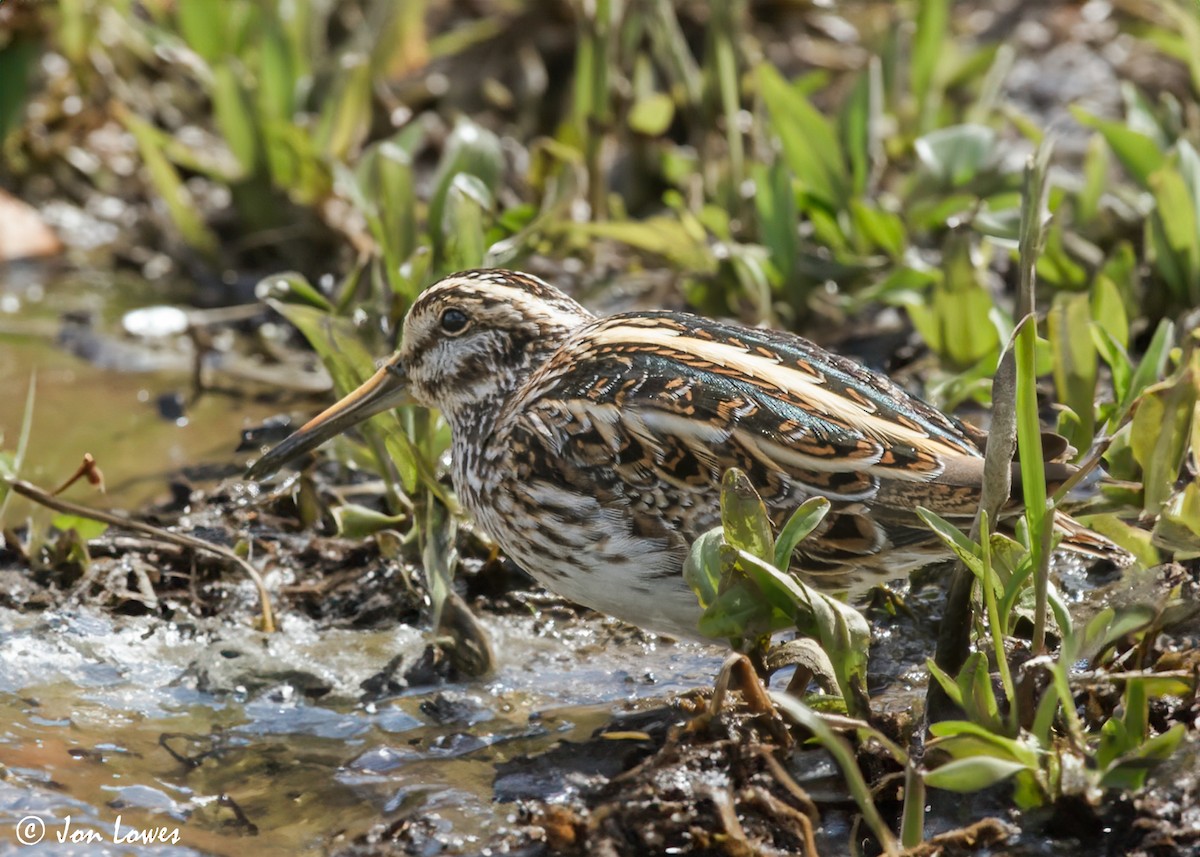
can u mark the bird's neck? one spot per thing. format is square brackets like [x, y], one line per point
[473, 424]
[480, 413]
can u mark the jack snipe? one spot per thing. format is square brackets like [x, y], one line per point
[592, 449]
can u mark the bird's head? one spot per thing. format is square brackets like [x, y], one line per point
[467, 342]
[474, 336]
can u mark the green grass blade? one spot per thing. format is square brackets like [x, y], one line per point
[843, 754]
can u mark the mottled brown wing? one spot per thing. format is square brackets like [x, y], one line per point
[646, 413]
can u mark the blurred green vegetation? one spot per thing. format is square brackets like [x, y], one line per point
[660, 128]
[778, 162]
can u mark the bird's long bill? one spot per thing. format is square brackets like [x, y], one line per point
[381, 392]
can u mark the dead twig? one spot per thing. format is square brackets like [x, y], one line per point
[779, 810]
[37, 495]
[983, 834]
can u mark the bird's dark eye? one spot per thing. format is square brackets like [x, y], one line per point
[454, 321]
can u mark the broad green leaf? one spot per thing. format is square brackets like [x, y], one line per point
[397, 204]
[737, 613]
[1055, 264]
[1118, 362]
[855, 126]
[1095, 180]
[1141, 116]
[346, 116]
[17, 61]
[843, 632]
[662, 235]
[1110, 625]
[336, 341]
[802, 522]
[292, 288]
[1002, 224]
[951, 732]
[1114, 740]
[947, 682]
[1189, 170]
[975, 687]
[652, 114]
[1153, 363]
[954, 538]
[1178, 527]
[1159, 436]
[956, 321]
[295, 163]
[778, 220]
[168, 184]
[414, 467]
[470, 149]
[1161, 256]
[1108, 310]
[358, 522]
[402, 46]
[86, 528]
[202, 30]
[231, 112]
[958, 154]
[1130, 770]
[465, 219]
[883, 229]
[1138, 154]
[702, 567]
[1075, 362]
[972, 774]
[276, 91]
[809, 141]
[747, 526]
[1133, 539]
[1176, 213]
[928, 48]
[904, 286]
[339, 345]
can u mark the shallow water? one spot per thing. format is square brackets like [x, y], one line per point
[105, 720]
[128, 400]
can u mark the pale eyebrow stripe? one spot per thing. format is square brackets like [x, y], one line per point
[524, 303]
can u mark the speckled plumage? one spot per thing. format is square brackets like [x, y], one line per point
[592, 449]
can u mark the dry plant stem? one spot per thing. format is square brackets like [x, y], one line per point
[727, 817]
[1098, 678]
[971, 839]
[738, 666]
[778, 808]
[87, 468]
[785, 779]
[954, 635]
[37, 495]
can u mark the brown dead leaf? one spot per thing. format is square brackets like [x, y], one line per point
[24, 235]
